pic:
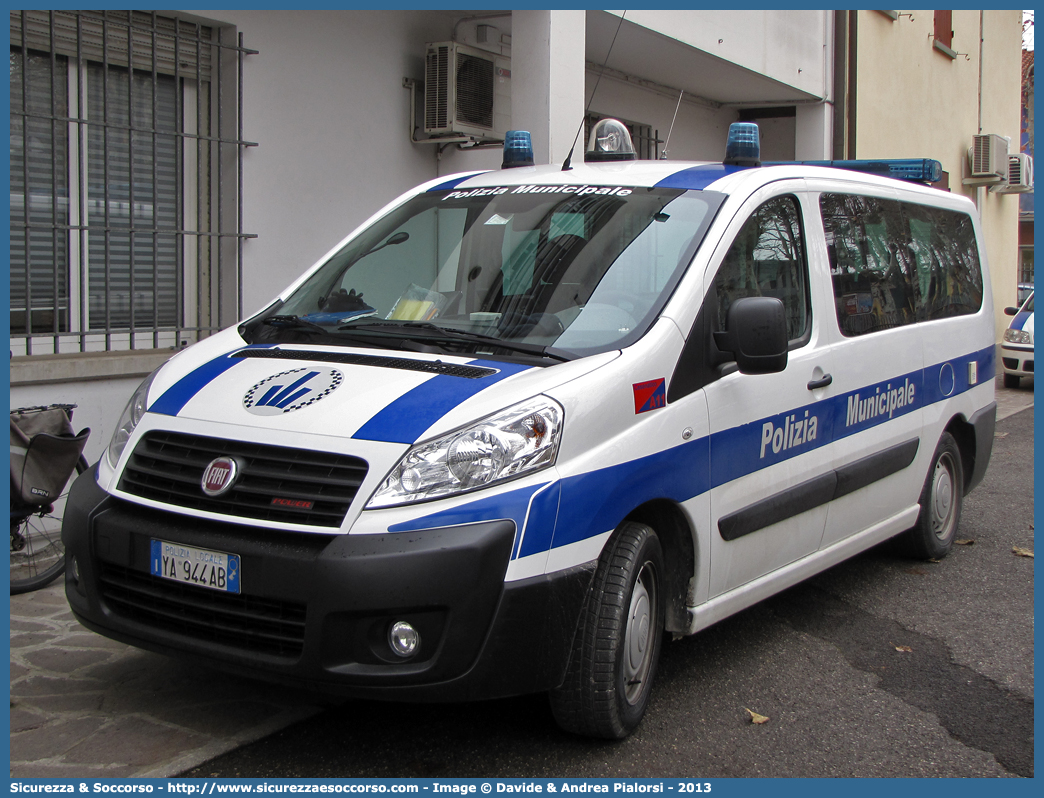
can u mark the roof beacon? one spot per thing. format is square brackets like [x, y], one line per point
[610, 141]
[518, 149]
[743, 147]
[916, 170]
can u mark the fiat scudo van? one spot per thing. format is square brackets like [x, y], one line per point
[522, 423]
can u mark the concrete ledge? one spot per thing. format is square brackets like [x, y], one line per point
[80, 367]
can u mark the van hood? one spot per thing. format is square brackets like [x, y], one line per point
[365, 394]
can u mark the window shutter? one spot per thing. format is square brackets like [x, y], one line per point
[181, 48]
[39, 194]
[132, 199]
[944, 28]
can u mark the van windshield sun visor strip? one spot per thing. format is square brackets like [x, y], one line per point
[402, 363]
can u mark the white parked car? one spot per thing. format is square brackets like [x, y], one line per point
[1017, 349]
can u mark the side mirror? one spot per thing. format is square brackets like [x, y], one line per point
[1010, 311]
[756, 335]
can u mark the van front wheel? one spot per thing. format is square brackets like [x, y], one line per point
[941, 499]
[617, 645]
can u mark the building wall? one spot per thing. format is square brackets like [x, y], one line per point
[913, 101]
[788, 46]
[324, 100]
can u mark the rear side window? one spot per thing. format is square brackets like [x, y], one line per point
[768, 259]
[897, 263]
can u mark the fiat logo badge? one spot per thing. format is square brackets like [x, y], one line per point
[219, 476]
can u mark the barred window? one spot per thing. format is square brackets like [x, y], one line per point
[125, 155]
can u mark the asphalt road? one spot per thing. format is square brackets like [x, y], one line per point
[880, 667]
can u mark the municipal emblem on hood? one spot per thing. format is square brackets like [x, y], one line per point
[291, 390]
[219, 476]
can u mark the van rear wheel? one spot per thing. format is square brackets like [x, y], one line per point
[932, 537]
[617, 645]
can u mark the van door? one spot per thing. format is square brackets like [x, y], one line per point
[878, 369]
[770, 443]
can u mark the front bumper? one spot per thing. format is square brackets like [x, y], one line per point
[1017, 360]
[314, 609]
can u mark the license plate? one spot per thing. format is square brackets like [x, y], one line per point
[215, 570]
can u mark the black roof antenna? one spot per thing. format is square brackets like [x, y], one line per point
[565, 166]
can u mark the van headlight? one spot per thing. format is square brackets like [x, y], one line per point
[1017, 337]
[522, 439]
[129, 420]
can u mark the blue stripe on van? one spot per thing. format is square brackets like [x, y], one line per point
[698, 177]
[512, 505]
[742, 450]
[595, 502]
[174, 399]
[950, 378]
[453, 183]
[405, 419]
[533, 508]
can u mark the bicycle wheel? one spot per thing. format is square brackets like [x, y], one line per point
[37, 551]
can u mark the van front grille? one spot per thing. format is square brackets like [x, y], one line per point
[250, 623]
[275, 483]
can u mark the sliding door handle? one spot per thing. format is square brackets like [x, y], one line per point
[822, 382]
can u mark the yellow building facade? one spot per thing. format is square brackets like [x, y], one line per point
[921, 84]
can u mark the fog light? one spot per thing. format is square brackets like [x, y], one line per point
[403, 639]
[74, 567]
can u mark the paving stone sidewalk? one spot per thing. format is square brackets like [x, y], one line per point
[84, 706]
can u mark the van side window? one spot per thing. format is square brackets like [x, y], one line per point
[872, 270]
[949, 277]
[896, 263]
[768, 259]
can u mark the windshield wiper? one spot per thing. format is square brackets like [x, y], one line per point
[435, 332]
[295, 323]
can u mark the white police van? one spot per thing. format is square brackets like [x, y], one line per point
[523, 422]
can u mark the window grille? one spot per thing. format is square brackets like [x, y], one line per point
[1026, 265]
[126, 156]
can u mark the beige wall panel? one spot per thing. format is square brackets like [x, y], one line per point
[913, 101]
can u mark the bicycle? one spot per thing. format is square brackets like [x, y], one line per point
[45, 458]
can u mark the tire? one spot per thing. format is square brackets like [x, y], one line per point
[617, 645]
[941, 498]
[1011, 381]
[37, 551]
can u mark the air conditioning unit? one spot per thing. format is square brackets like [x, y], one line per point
[1020, 175]
[467, 92]
[988, 158]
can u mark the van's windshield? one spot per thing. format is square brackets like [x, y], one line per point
[520, 270]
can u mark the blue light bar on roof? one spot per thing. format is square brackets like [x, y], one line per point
[743, 146]
[920, 170]
[518, 149]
